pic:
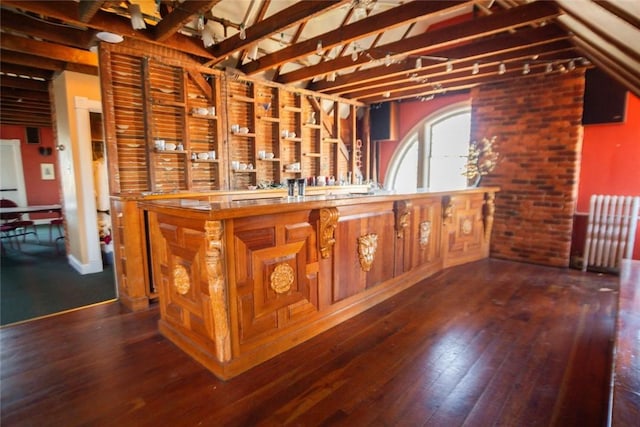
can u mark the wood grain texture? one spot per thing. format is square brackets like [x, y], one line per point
[489, 343]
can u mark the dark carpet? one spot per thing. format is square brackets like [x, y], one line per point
[37, 280]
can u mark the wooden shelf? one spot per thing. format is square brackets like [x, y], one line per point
[285, 170]
[247, 135]
[293, 139]
[242, 98]
[312, 154]
[269, 119]
[205, 160]
[169, 103]
[170, 151]
[311, 126]
[331, 140]
[244, 170]
[292, 109]
[204, 116]
[270, 160]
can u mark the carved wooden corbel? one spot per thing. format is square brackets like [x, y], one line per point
[447, 210]
[326, 230]
[425, 234]
[217, 289]
[487, 214]
[402, 210]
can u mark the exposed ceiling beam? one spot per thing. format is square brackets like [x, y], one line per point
[105, 21]
[88, 8]
[618, 61]
[437, 39]
[48, 50]
[20, 70]
[501, 43]
[181, 15]
[600, 21]
[24, 24]
[13, 93]
[464, 72]
[296, 14]
[627, 10]
[22, 83]
[384, 21]
[28, 60]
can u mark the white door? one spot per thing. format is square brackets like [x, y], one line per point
[11, 173]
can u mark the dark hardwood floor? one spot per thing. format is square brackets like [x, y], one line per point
[492, 343]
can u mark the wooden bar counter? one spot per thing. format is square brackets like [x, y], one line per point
[242, 281]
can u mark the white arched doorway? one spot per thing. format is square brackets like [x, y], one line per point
[432, 156]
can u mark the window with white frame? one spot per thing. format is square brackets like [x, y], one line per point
[433, 155]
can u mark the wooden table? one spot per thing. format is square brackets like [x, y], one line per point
[31, 209]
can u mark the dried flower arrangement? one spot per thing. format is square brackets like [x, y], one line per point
[481, 160]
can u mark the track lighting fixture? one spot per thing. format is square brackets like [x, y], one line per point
[137, 21]
[200, 22]
[418, 63]
[331, 77]
[243, 32]
[319, 48]
[387, 60]
[502, 68]
[354, 54]
[386, 94]
[526, 69]
[449, 66]
[253, 54]
[476, 68]
[572, 65]
[208, 36]
[548, 68]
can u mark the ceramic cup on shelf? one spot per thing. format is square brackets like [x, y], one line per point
[242, 166]
[235, 128]
[202, 111]
[212, 111]
[243, 130]
[160, 144]
[212, 154]
[270, 156]
[235, 165]
[284, 133]
[169, 146]
[203, 156]
[262, 154]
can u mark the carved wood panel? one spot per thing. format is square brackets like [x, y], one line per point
[276, 273]
[419, 242]
[464, 235]
[188, 268]
[360, 229]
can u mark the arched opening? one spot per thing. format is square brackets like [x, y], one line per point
[432, 156]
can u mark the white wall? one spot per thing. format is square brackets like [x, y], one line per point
[74, 95]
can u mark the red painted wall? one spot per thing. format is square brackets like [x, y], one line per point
[611, 161]
[39, 191]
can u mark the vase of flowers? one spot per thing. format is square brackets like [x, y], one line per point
[480, 161]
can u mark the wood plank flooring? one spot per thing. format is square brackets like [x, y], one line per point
[493, 343]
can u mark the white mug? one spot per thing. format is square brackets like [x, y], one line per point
[212, 154]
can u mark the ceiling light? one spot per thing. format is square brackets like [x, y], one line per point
[549, 68]
[108, 37]
[502, 69]
[572, 65]
[387, 94]
[526, 69]
[331, 77]
[200, 22]
[319, 49]
[208, 36]
[418, 63]
[253, 54]
[354, 54]
[449, 67]
[137, 21]
[476, 68]
[243, 32]
[387, 59]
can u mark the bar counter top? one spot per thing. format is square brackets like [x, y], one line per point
[218, 207]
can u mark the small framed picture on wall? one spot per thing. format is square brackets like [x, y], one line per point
[47, 171]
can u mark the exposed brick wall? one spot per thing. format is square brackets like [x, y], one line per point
[537, 122]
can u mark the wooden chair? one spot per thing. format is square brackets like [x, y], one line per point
[14, 220]
[57, 223]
